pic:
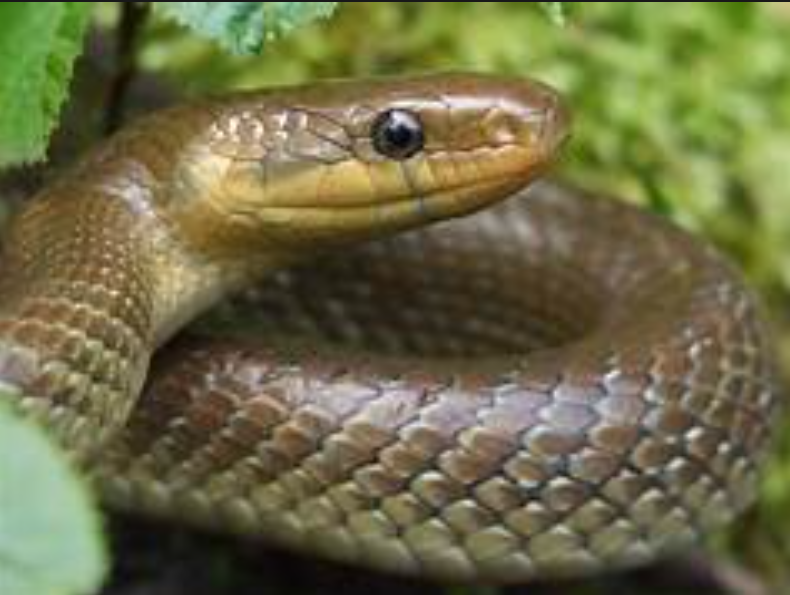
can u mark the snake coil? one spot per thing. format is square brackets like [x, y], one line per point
[557, 384]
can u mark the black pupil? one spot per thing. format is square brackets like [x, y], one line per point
[397, 134]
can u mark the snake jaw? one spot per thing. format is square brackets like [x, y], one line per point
[366, 222]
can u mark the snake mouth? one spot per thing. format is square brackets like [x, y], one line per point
[392, 214]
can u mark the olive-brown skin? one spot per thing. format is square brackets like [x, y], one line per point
[559, 384]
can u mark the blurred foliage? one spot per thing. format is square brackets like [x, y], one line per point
[243, 27]
[38, 44]
[50, 535]
[555, 10]
[684, 107]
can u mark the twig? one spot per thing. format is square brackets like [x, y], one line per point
[133, 17]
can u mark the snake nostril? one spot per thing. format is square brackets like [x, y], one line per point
[560, 121]
[554, 129]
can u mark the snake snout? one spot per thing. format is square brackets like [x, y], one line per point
[556, 128]
[544, 119]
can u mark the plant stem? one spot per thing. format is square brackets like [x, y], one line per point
[133, 17]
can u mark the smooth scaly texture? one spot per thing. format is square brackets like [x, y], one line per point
[556, 385]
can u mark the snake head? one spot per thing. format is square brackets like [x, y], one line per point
[347, 160]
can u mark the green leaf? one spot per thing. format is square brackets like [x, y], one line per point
[39, 42]
[50, 537]
[243, 27]
[555, 10]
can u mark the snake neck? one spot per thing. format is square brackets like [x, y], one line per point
[93, 279]
[76, 310]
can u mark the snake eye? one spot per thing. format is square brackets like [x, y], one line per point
[397, 134]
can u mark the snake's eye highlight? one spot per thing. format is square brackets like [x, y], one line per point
[397, 134]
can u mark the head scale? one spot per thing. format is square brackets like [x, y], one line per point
[340, 161]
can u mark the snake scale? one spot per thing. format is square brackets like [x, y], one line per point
[558, 384]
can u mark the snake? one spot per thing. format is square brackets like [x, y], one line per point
[234, 314]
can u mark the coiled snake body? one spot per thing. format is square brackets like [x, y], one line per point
[556, 384]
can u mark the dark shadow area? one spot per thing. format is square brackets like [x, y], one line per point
[154, 559]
